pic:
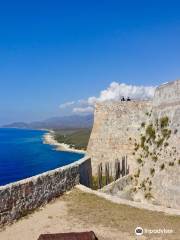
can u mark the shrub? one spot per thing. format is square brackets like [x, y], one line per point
[171, 163]
[150, 131]
[164, 121]
[162, 166]
[160, 142]
[148, 195]
[134, 189]
[166, 144]
[143, 124]
[146, 149]
[152, 171]
[166, 133]
[175, 131]
[136, 147]
[137, 173]
[157, 122]
[154, 158]
[139, 160]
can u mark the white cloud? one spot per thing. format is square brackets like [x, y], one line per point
[87, 109]
[117, 90]
[114, 92]
[67, 104]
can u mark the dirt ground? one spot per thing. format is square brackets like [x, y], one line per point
[80, 211]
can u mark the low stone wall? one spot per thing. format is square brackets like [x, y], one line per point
[117, 186]
[19, 198]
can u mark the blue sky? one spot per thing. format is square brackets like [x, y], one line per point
[53, 52]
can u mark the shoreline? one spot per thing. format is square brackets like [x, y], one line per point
[48, 138]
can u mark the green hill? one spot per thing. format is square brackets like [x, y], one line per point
[77, 138]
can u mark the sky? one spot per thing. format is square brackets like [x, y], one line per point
[60, 57]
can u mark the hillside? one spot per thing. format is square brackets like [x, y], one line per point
[64, 122]
[77, 138]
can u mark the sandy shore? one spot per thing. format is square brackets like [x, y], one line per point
[49, 139]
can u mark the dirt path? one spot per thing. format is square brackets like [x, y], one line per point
[80, 211]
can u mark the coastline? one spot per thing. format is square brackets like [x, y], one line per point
[48, 138]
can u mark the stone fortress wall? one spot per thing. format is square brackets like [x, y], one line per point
[19, 198]
[166, 182]
[115, 127]
[117, 130]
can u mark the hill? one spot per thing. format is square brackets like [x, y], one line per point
[77, 138]
[65, 122]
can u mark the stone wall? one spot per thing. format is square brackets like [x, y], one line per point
[115, 128]
[118, 130]
[117, 186]
[19, 198]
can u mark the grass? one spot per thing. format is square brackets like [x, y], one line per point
[77, 138]
[94, 210]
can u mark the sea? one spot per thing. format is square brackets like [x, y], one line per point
[23, 154]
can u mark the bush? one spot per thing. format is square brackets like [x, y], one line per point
[152, 171]
[150, 131]
[154, 158]
[166, 144]
[162, 166]
[164, 121]
[137, 173]
[139, 160]
[143, 124]
[166, 133]
[148, 195]
[136, 147]
[160, 142]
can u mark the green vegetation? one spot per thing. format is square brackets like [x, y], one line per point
[148, 195]
[150, 132]
[77, 138]
[160, 142]
[154, 158]
[152, 171]
[136, 175]
[139, 160]
[143, 139]
[136, 147]
[95, 181]
[143, 124]
[162, 166]
[164, 122]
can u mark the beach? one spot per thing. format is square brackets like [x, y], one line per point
[49, 139]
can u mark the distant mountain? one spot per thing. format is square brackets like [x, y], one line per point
[17, 125]
[73, 121]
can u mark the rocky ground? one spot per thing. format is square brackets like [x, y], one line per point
[80, 211]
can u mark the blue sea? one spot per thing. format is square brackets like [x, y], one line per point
[23, 154]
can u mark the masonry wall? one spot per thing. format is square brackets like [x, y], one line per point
[117, 128]
[19, 198]
[166, 183]
[114, 131]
